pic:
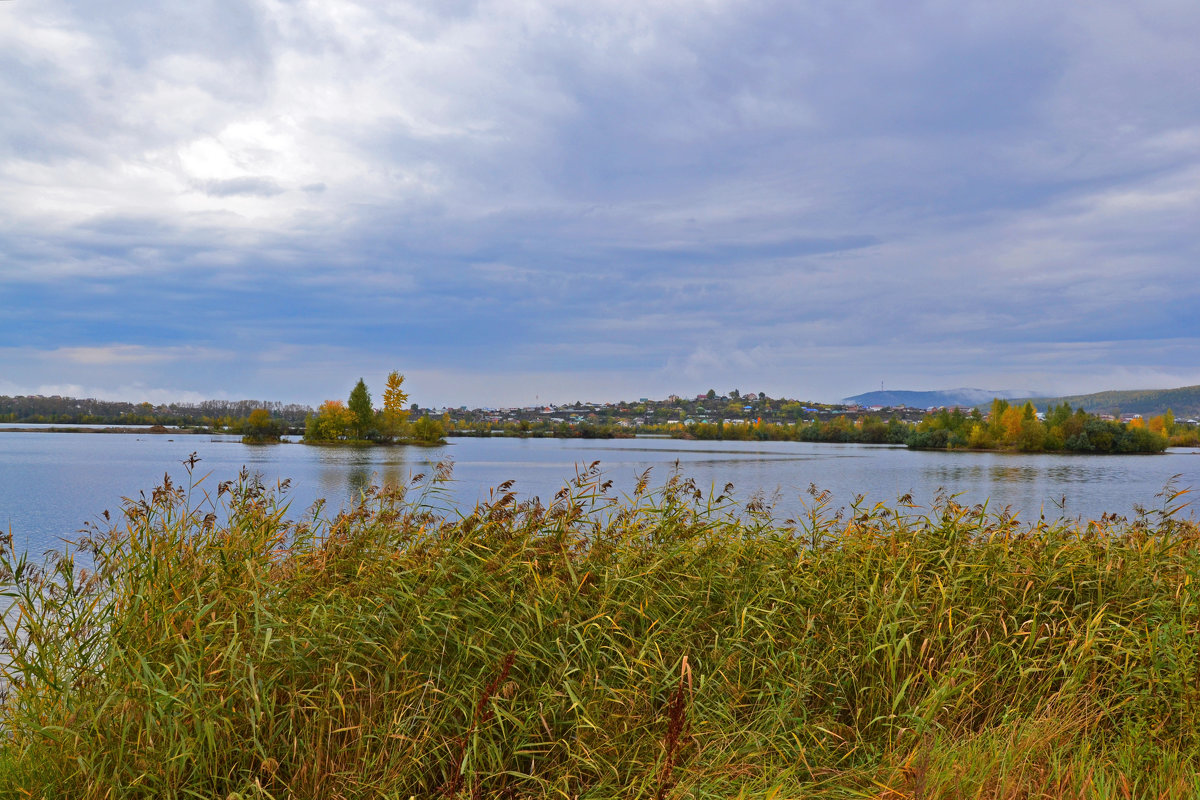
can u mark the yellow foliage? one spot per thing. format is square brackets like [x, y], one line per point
[394, 414]
[334, 420]
[979, 438]
[394, 397]
[1010, 422]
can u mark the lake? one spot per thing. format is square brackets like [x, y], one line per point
[51, 483]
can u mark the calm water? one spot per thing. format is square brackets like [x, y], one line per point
[51, 483]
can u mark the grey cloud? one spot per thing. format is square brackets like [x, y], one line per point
[939, 182]
[250, 185]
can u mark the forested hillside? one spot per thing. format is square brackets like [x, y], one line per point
[1184, 401]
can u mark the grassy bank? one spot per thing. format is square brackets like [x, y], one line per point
[663, 645]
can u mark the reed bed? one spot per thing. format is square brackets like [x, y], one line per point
[666, 644]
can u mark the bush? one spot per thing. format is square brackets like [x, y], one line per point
[260, 428]
[428, 430]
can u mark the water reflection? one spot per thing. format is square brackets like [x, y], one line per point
[1028, 485]
[346, 472]
[1008, 474]
[51, 483]
[952, 474]
[1063, 473]
[393, 475]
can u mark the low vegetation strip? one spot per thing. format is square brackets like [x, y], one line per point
[666, 644]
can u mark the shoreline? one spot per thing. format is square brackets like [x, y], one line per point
[157, 430]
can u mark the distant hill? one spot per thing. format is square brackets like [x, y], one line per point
[1184, 402]
[946, 397]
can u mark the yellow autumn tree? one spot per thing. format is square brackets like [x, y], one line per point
[1010, 423]
[394, 413]
[1164, 424]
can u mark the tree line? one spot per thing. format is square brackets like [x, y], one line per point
[1061, 429]
[90, 411]
[1005, 427]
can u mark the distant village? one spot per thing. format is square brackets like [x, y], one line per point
[675, 414]
[727, 409]
[672, 415]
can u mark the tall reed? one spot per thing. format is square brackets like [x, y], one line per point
[669, 643]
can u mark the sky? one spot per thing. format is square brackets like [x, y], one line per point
[517, 201]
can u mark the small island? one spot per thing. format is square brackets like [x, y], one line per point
[358, 422]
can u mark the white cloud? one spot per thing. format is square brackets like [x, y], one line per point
[119, 355]
[779, 191]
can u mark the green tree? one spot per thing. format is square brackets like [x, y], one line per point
[1058, 415]
[360, 407]
[996, 429]
[1031, 436]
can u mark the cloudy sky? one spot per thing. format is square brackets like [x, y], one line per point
[519, 199]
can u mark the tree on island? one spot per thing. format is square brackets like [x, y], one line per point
[360, 407]
[357, 421]
[394, 415]
[260, 428]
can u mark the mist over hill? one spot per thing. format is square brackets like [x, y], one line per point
[944, 397]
